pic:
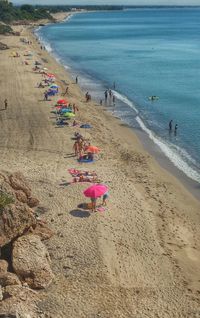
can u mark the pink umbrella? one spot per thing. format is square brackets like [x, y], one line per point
[95, 191]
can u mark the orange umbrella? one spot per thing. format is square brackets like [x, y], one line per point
[92, 149]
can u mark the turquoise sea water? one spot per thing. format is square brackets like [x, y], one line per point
[145, 52]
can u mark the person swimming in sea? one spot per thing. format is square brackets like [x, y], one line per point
[170, 125]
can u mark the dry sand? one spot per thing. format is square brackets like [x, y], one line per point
[141, 257]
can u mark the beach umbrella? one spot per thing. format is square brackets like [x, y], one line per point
[86, 126]
[92, 149]
[65, 110]
[53, 86]
[62, 102]
[69, 115]
[95, 191]
[50, 75]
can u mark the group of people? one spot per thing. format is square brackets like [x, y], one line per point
[171, 127]
[80, 146]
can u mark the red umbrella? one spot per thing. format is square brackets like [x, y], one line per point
[62, 102]
[92, 149]
[96, 190]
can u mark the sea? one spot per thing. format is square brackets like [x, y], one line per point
[139, 53]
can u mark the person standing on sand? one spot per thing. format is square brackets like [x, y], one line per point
[93, 204]
[105, 197]
[170, 125]
[6, 103]
[76, 148]
[76, 79]
[106, 95]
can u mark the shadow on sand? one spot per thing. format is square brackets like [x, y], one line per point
[78, 213]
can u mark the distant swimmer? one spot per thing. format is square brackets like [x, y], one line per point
[152, 98]
[114, 85]
[170, 125]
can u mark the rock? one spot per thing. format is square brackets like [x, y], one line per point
[21, 196]
[7, 279]
[33, 202]
[42, 230]
[3, 46]
[30, 260]
[19, 302]
[3, 266]
[1, 293]
[18, 182]
[14, 221]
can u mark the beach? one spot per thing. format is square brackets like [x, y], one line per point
[140, 257]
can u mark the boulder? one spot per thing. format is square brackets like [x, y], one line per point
[7, 279]
[33, 202]
[3, 46]
[21, 196]
[31, 261]
[1, 293]
[19, 301]
[3, 266]
[14, 221]
[42, 230]
[18, 182]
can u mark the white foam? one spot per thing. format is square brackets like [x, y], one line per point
[175, 154]
[125, 100]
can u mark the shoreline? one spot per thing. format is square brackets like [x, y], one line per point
[149, 145]
[140, 257]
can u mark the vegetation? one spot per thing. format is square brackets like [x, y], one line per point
[5, 29]
[66, 8]
[5, 199]
[10, 13]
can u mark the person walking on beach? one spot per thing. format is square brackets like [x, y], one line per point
[66, 91]
[6, 103]
[76, 79]
[45, 95]
[170, 125]
[110, 93]
[76, 148]
[101, 102]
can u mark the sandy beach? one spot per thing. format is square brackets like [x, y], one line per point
[141, 257]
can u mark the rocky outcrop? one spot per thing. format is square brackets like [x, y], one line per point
[7, 279]
[19, 301]
[31, 261]
[42, 230]
[3, 266]
[19, 224]
[15, 220]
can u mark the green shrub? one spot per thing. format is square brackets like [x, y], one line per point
[5, 199]
[5, 29]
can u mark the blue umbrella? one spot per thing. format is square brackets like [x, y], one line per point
[66, 110]
[85, 126]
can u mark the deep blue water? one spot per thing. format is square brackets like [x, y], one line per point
[145, 52]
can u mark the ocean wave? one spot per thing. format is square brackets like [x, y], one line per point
[178, 156]
[125, 100]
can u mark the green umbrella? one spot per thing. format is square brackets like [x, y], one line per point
[69, 115]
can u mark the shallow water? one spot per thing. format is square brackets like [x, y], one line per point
[145, 52]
